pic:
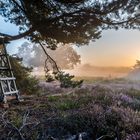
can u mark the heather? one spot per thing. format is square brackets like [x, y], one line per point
[91, 112]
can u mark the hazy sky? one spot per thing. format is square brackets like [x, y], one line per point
[114, 48]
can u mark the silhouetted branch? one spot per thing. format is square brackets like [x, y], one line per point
[49, 58]
[19, 36]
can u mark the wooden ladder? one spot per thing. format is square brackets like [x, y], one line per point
[7, 80]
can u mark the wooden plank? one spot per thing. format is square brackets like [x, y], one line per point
[2, 55]
[4, 68]
[12, 92]
[7, 78]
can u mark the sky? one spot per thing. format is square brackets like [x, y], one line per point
[114, 48]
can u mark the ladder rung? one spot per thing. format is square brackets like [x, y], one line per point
[7, 78]
[5, 68]
[11, 92]
[2, 54]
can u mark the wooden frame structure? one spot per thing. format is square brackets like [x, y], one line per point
[7, 79]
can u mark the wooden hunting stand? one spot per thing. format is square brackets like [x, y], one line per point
[7, 80]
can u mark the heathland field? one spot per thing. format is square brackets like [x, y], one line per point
[101, 109]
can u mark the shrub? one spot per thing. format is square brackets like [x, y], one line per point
[115, 122]
[25, 82]
[67, 81]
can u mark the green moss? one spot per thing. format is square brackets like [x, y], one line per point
[16, 119]
[67, 105]
[53, 98]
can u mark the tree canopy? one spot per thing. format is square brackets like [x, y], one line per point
[69, 21]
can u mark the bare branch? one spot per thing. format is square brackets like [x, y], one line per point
[11, 126]
[14, 129]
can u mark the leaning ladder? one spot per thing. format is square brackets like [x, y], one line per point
[7, 79]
